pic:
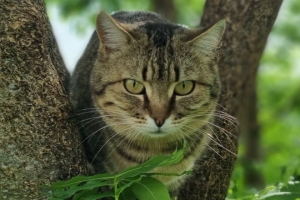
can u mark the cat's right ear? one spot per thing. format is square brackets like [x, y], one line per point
[209, 40]
[111, 33]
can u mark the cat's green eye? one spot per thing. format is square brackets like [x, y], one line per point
[133, 86]
[184, 88]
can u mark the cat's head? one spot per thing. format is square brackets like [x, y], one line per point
[155, 79]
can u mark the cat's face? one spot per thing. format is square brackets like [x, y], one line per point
[158, 85]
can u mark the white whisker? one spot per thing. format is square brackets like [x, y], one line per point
[114, 135]
[102, 128]
[222, 146]
[211, 137]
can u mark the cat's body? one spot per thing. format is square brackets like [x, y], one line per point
[144, 89]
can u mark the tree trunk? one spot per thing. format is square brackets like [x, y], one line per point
[248, 26]
[250, 138]
[38, 145]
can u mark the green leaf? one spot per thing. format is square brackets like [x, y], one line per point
[78, 180]
[127, 194]
[289, 192]
[188, 172]
[62, 194]
[150, 189]
[176, 157]
[98, 196]
[153, 162]
[144, 167]
[83, 193]
[280, 192]
[281, 196]
[293, 186]
[82, 187]
[88, 186]
[126, 183]
[91, 187]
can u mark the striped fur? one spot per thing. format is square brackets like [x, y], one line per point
[121, 129]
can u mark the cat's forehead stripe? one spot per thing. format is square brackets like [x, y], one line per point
[161, 65]
[161, 62]
[176, 69]
[144, 73]
[160, 33]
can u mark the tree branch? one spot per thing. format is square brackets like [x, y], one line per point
[248, 26]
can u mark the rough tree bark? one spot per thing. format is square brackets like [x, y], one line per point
[248, 26]
[37, 144]
[250, 136]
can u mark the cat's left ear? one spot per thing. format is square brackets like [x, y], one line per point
[209, 40]
[111, 33]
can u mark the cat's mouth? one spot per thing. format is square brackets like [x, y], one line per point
[158, 132]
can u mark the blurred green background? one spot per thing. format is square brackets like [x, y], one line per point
[278, 82]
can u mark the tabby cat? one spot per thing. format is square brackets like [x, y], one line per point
[142, 87]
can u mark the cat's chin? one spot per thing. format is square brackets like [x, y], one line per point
[157, 133]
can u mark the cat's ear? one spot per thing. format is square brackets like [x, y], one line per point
[111, 33]
[209, 40]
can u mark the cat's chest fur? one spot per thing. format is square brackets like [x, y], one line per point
[141, 88]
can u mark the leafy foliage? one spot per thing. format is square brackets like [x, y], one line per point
[290, 191]
[132, 183]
